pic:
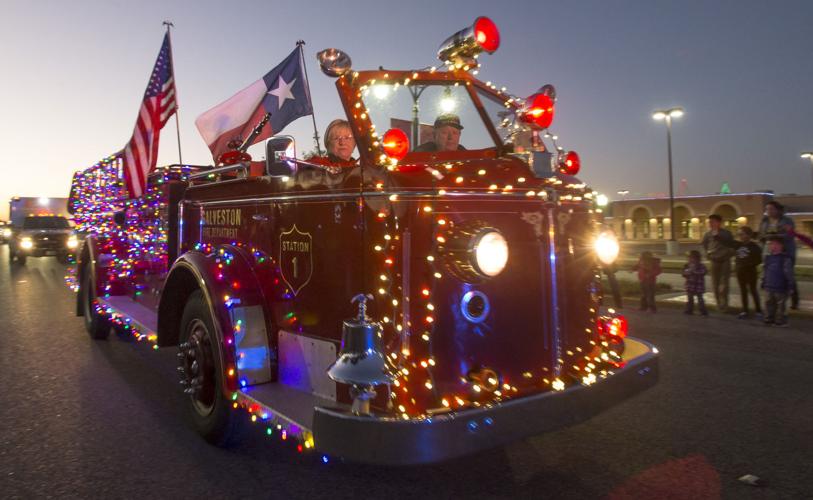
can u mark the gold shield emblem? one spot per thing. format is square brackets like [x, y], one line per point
[295, 258]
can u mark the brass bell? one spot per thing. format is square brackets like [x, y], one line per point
[361, 363]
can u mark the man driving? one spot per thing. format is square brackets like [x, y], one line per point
[446, 135]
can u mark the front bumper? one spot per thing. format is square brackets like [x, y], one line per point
[404, 442]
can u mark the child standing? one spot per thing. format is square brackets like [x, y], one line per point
[747, 258]
[695, 273]
[648, 267]
[777, 281]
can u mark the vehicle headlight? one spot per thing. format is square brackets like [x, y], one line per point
[606, 246]
[73, 242]
[6, 233]
[490, 252]
[26, 243]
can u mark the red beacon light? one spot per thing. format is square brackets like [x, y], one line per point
[396, 143]
[462, 48]
[538, 111]
[569, 163]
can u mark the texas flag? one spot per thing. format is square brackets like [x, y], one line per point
[283, 92]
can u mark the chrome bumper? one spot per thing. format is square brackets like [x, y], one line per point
[405, 442]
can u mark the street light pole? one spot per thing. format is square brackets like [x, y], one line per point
[667, 115]
[671, 181]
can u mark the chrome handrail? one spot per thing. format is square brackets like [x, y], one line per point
[221, 170]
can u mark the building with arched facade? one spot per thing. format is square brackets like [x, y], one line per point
[648, 218]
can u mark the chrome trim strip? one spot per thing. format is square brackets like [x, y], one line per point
[356, 194]
[554, 287]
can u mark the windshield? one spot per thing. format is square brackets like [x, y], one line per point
[391, 106]
[46, 223]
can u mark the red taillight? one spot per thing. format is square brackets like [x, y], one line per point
[617, 326]
[613, 327]
[570, 164]
[538, 111]
[396, 143]
[486, 34]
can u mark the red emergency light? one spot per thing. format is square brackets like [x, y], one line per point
[486, 34]
[396, 143]
[538, 111]
[570, 163]
[462, 47]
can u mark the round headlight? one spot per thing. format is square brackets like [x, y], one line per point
[26, 243]
[73, 242]
[490, 252]
[606, 246]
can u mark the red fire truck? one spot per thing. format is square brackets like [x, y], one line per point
[409, 307]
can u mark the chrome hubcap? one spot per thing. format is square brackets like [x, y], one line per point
[197, 369]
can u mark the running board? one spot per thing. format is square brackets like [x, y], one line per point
[144, 319]
[284, 409]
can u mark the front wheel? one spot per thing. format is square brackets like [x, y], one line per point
[202, 374]
[21, 259]
[96, 325]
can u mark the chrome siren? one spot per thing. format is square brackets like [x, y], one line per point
[334, 62]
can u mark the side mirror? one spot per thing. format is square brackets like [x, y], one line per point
[280, 154]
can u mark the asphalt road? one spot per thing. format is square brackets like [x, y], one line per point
[90, 419]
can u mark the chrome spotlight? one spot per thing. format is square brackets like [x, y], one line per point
[334, 62]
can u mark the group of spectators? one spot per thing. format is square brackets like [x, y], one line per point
[776, 254]
[778, 235]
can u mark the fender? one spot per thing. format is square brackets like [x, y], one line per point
[236, 304]
[90, 260]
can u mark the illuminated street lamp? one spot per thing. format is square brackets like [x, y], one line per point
[667, 115]
[808, 155]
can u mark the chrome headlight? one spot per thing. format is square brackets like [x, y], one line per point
[73, 242]
[490, 252]
[606, 247]
[26, 243]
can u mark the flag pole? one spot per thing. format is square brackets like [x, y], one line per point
[300, 44]
[169, 25]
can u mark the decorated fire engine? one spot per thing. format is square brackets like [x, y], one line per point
[411, 306]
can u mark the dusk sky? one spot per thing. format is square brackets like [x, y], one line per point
[74, 74]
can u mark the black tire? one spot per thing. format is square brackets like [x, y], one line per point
[21, 259]
[209, 408]
[97, 326]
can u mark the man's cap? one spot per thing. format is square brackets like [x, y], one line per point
[449, 119]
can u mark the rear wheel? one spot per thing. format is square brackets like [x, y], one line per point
[203, 374]
[96, 325]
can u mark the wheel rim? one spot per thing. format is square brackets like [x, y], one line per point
[198, 365]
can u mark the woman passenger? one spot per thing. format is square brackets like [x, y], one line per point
[340, 142]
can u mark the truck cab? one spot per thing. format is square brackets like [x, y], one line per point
[415, 305]
[41, 236]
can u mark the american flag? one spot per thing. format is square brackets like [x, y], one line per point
[140, 154]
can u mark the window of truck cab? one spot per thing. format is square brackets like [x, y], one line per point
[392, 106]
